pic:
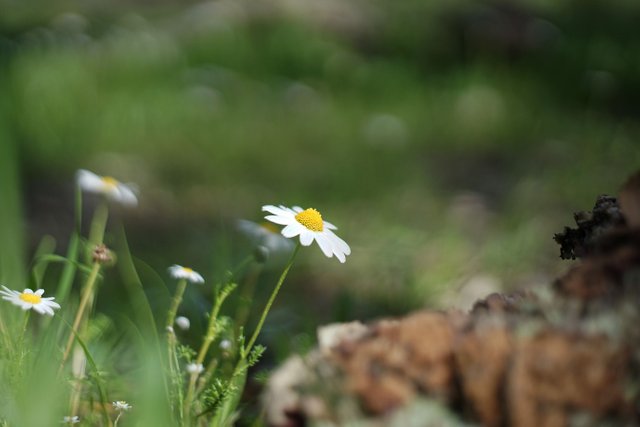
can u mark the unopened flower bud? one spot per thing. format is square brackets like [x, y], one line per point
[102, 255]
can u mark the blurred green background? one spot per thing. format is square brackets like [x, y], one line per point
[448, 140]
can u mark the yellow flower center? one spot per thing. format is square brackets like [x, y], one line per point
[30, 298]
[311, 219]
[109, 182]
[187, 270]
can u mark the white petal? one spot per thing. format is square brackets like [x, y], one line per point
[53, 304]
[126, 196]
[39, 292]
[196, 277]
[292, 230]
[41, 308]
[288, 210]
[89, 181]
[325, 244]
[328, 225]
[27, 291]
[8, 291]
[282, 220]
[297, 209]
[279, 211]
[340, 244]
[306, 238]
[340, 257]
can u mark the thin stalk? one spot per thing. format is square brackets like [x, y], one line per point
[241, 365]
[245, 352]
[174, 365]
[204, 378]
[176, 377]
[86, 296]
[98, 226]
[171, 316]
[25, 323]
[206, 343]
[5, 334]
[115, 423]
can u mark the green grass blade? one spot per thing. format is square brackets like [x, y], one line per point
[96, 376]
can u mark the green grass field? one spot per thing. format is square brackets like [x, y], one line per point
[448, 142]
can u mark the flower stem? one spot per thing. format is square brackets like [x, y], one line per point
[98, 226]
[171, 316]
[206, 343]
[86, 296]
[25, 323]
[174, 366]
[245, 352]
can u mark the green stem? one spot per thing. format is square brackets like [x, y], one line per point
[177, 299]
[174, 365]
[241, 365]
[25, 323]
[5, 334]
[86, 296]
[98, 226]
[254, 337]
[206, 343]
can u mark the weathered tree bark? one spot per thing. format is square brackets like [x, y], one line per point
[565, 355]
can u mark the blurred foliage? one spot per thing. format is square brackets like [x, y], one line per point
[447, 140]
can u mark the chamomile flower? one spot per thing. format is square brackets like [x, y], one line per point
[121, 406]
[180, 272]
[195, 368]
[107, 186]
[71, 420]
[183, 323]
[266, 234]
[29, 299]
[309, 225]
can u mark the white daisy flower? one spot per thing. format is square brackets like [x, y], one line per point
[183, 323]
[180, 272]
[29, 299]
[309, 225]
[195, 368]
[266, 234]
[71, 420]
[121, 406]
[108, 186]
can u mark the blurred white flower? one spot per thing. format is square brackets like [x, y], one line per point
[121, 406]
[71, 420]
[107, 186]
[266, 234]
[180, 272]
[309, 225]
[29, 299]
[183, 323]
[195, 368]
[225, 344]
